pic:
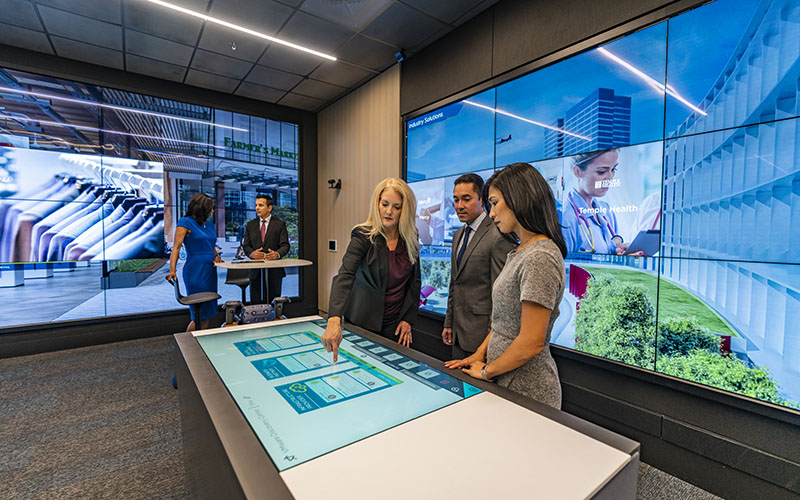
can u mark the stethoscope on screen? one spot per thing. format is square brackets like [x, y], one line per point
[590, 236]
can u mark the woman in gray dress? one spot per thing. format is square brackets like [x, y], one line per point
[526, 294]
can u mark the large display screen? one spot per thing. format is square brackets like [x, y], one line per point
[673, 154]
[71, 207]
[94, 180]
[301, 405]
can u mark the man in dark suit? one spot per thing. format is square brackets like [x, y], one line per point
[265, 238]
[478, 255]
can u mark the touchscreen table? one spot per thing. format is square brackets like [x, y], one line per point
[300, 405]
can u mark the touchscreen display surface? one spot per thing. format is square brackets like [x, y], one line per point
[301, 405]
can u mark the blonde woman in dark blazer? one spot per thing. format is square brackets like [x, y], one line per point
[377, 286]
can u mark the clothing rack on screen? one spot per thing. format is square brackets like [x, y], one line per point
[91, 211]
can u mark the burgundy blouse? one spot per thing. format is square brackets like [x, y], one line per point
[400, 269]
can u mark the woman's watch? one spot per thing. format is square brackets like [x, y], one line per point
[483, 374]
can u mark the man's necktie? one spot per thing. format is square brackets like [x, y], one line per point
[263, 230]
[464, 241]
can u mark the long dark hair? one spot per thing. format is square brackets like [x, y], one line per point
[528, 195]
[200, 206]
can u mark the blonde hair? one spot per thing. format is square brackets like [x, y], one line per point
[407, 228]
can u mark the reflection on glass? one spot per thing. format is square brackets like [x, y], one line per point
[608, 97]
[437, 222]
[41, 112]
[739, 71]
[456, 138]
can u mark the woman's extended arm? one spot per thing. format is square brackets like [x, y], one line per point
[340, 290]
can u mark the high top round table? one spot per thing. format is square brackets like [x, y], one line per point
[263, 265]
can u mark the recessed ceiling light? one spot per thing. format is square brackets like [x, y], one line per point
[239, 28]
[119, 108]
[107, 131]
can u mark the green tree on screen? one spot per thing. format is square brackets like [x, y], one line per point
[435, 273]
[616, 321]
[680, 336]
[724, 372]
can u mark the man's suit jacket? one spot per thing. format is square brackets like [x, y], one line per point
[469, 303]
[359, 288]
[277, 238]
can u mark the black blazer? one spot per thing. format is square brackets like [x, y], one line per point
[277, 238]
[358, 290]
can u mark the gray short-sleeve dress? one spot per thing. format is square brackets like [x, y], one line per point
[536, 274]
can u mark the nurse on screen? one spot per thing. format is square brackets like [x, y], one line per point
[588, 224]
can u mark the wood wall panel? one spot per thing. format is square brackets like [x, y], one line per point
[359, 142]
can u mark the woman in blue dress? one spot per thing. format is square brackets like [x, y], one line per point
[200, 236]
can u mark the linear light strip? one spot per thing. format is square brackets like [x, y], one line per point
[120, 108]
[506, 113]
[82, 127]
[177, 155]
[240, 28]
[660, 87]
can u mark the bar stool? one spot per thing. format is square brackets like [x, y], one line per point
[240, 278]
[194, 300]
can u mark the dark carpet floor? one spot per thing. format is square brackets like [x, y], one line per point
[104, 422]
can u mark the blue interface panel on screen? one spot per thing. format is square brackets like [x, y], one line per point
[301, 405]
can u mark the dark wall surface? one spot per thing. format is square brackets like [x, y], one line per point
[33, 338]
[732, 446]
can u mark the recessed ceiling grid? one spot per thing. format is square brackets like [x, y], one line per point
[141, 37]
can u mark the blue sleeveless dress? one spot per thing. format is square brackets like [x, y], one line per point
[199, 273]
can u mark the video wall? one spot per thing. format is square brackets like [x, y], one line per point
[93, 181]
[673, 154]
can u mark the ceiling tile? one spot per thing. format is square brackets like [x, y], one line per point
[21, 13]
[265, 16]
[353, 15]
[259, 92]
[166, 23]
[301, 102]
[218, 39]
[367, 52]
[273, 78]
[474, 12]
[402, 26]
[157, 48]
[27, 39]
[220, 65]
[291, 60]
[340, 73]
[291, 3]
[151, 67]
[65, 24]
[314, 33]
[209, 81]
[320, 90]
[94, 54]
[443, 11]
[106, 10]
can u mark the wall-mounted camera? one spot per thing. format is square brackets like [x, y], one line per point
[335, 183]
